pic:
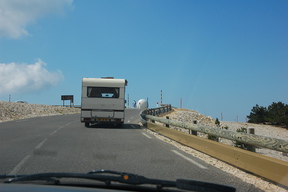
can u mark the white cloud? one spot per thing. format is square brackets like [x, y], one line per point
[15, 15]
[24, 78]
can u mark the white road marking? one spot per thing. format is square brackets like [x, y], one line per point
[25, 159]
[190, 160]
[53, 132]
[56, 130]
[41, 144]
[147, 136]
[16, 169]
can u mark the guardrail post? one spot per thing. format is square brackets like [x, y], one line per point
[194, 132]
[167, 125]
[153, 113]
[251, 147]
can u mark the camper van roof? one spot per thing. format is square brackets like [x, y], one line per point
[104, 82]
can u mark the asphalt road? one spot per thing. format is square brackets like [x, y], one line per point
[63, 144]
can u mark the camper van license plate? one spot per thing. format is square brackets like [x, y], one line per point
[102, 119]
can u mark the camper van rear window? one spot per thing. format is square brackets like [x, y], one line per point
[103, 92]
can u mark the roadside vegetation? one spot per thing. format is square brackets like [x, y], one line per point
[274, 114]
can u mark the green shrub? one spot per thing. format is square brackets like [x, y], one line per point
[275, 114]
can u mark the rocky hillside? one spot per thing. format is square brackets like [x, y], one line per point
[14, 111]
[189, 116]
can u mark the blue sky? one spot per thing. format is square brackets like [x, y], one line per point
[218, 56]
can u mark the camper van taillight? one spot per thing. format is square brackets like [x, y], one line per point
[87, 119]
[119, 120]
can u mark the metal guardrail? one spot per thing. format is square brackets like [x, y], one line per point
[266, 167]
[159, 110]
[250, 139]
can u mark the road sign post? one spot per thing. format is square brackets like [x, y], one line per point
[67, 97]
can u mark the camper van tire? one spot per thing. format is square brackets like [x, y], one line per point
[87, 124]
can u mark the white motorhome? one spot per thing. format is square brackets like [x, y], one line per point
[103, 101]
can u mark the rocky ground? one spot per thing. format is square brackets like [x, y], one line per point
[13, 111]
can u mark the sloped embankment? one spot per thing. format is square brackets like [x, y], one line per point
[13, 111]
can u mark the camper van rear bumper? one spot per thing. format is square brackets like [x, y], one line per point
[101, 120]
[115, 110]
[102, 116]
